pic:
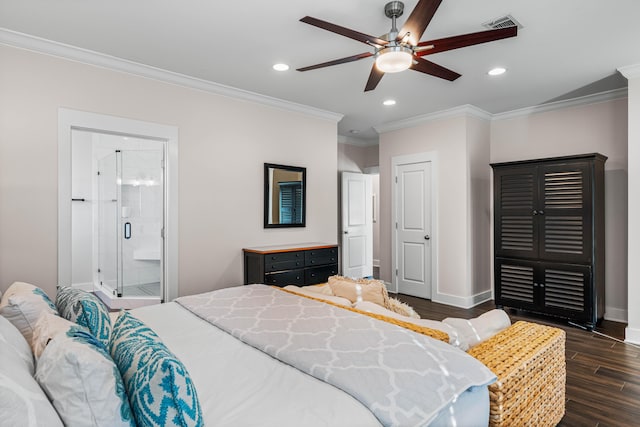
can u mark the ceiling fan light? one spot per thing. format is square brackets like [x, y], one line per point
[394, 59]
[496, 71]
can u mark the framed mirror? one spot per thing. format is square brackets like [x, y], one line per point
[285, 195]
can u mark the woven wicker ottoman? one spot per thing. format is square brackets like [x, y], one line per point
[529, 361]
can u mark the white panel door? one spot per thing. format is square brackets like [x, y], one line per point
[413, 225]
[357, 225]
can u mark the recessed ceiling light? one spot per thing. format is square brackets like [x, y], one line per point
[497, 71]
[281, 67]
[389, 102]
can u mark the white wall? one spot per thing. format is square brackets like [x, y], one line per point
[82, 212]
[479, 208]
[632, 333]
[448, 139]
[601, 128]
[223, 144]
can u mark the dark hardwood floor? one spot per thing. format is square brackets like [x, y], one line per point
[603, 375]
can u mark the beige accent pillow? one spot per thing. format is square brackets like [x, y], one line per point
[22, 304]
[47, 327]
[322, 288]
[402, 308]
[360, 290]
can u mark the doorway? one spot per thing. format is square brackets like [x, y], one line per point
[357, 225]
[414, 239]
[117, 229]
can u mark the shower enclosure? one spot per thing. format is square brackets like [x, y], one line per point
[129, 223]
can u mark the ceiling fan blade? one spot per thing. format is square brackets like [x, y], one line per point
[429, 67]
[355, 35]
[337, 61]
[456, 42]
[374, 78]
[418, 20]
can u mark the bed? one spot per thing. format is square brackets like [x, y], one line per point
[257, 356]
[260, 390]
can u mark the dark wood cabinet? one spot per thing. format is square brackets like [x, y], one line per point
[549, 236]
[303, 264]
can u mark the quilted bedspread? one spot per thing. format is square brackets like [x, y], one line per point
[402, 377]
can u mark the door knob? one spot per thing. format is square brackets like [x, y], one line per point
[427, 237]
[346, 232]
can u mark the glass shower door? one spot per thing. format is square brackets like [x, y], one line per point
[108, 224]
[141, 195]
[130, 221]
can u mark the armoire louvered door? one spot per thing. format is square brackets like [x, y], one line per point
[564, 211]
[515, 229]
[549, 236]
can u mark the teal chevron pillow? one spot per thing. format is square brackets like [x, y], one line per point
[160, 389]
[85, 309]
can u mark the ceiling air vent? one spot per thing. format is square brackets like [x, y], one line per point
[502, 22]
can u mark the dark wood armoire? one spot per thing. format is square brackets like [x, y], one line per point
[549, 236]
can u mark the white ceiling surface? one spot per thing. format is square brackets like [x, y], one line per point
[569, 47]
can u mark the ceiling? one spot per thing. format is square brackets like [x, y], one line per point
[565, 49]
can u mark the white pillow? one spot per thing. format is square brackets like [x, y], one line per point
[331, 298]
[10, 337]
[82, 381]
[47, 327]
[480, 328]
[22, 401]
[22, 304]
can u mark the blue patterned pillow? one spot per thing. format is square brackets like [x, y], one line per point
[160, 389]
[85, 309]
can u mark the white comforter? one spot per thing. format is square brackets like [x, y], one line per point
[241, 386]
[403, 377]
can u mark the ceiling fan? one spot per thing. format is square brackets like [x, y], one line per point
[399, 50]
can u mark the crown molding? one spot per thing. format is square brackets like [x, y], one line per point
[630, 71]
[568, 103]
[470, 110]
[85, 56]
[462, 111]
[357, 142]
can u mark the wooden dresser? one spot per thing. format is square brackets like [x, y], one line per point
[281, 265]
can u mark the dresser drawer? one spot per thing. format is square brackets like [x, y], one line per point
[283, 256]
[321, 256]
[291, 277]
[316, 275]
[283, 265]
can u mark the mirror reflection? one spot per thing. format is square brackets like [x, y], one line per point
[284, 196]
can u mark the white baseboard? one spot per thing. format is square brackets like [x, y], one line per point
[616, 314]
[390, 287]
[127, 303]
[84, 286]
[632, 335]
[462, 302]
